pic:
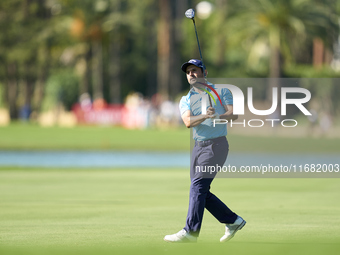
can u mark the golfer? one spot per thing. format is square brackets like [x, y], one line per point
[211, 149]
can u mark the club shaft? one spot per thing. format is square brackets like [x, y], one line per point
[199, 49]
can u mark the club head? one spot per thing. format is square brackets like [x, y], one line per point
[190, 13]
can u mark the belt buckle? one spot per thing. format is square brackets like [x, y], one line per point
[204, 143]
[200, 143]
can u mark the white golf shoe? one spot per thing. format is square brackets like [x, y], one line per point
[181, 237]
[231, 229]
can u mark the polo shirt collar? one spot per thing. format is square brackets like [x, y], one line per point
[192, 90]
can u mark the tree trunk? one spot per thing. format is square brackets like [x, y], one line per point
[318, 50]
[42, 78]
[97, 69]
[221, 37]
[175, 42]
[12, 90]
[275, 74]
[274, 62]
[114, 58]
[152, 58]
[85, 72]
[30, 77]
[163, 62]
[115, 82]
[28, 84]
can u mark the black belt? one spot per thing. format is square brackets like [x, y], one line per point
[210, 141]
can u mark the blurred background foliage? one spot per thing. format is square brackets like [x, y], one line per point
[52, 51]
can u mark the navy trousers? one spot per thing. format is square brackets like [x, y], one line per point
[206, 154]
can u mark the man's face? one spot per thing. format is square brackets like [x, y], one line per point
[193, 73]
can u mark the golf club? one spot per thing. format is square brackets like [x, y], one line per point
[190, 14]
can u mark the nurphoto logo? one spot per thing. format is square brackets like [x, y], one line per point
[239, 102]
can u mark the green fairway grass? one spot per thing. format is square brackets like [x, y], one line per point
[31, 137]
[128, 211]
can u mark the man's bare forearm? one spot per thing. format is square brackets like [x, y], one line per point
[228, 116]
[196, 120]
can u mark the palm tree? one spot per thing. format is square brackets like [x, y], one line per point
[272, 28]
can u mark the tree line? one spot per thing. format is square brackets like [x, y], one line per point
[55, 50]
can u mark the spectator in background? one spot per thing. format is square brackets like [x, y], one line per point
[325, 123]
[85, 102]
[313, 120]
[99, 104]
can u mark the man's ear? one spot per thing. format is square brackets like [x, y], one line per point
[206, 72]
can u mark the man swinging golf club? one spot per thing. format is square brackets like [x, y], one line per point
[211, 149]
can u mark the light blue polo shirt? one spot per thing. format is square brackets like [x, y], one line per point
[193, 102]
